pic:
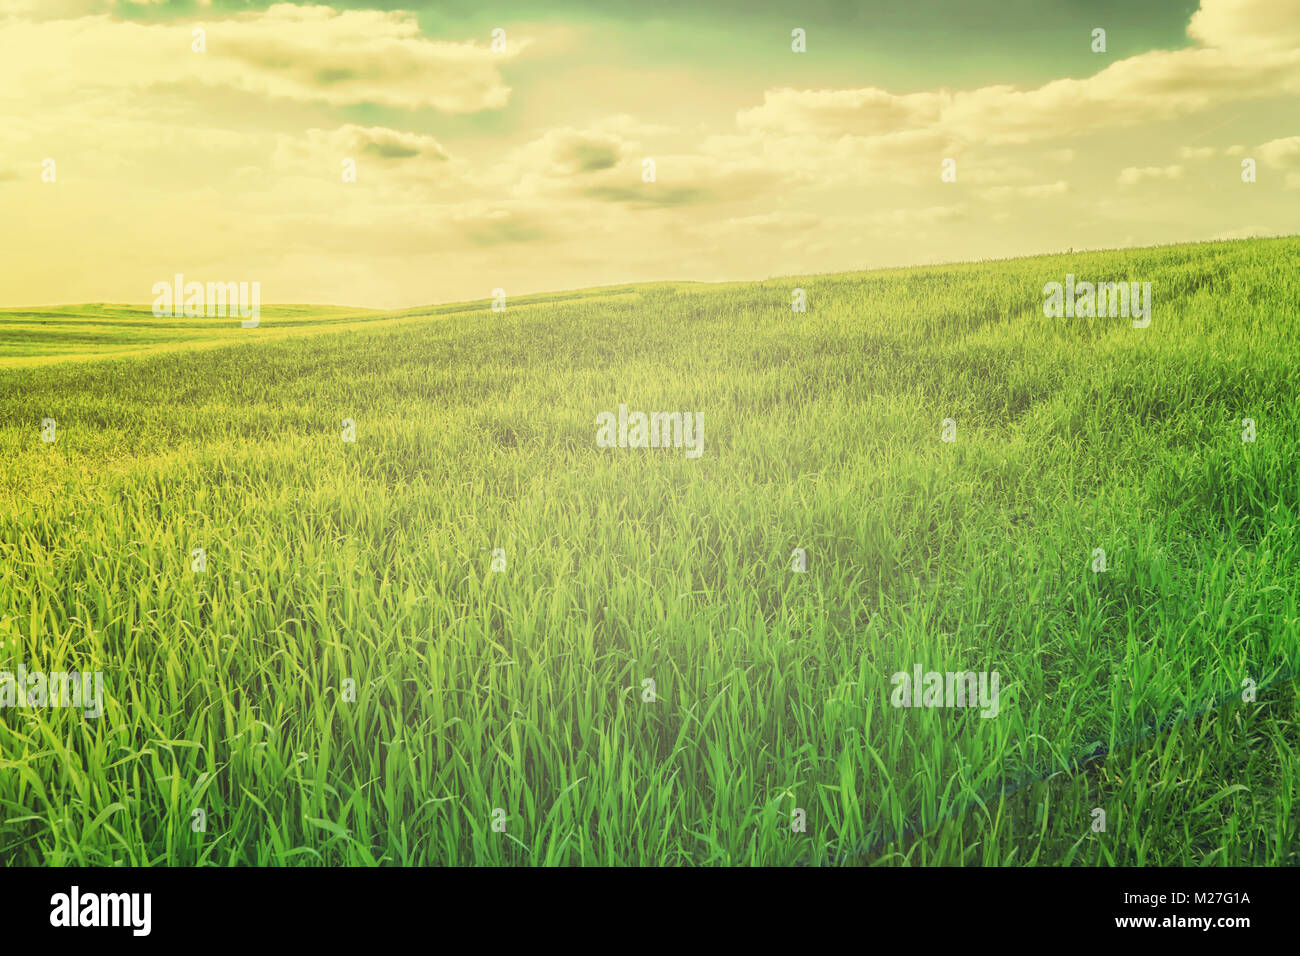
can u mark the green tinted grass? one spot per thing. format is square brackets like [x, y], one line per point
[371, 562]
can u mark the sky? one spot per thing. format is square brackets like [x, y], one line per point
[504, 145]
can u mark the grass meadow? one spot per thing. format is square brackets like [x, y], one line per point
[350, 682]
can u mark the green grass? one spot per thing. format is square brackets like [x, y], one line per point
[522, 690]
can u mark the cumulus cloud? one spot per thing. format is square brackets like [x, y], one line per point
[306, 53]
[567, 152]
[601, 166]
[1247, 25]
[1248, 49]
[1280, 153]
[357, 142]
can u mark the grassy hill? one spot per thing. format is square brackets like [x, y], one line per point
[350, 680]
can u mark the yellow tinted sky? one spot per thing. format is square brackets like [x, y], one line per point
[523, 168]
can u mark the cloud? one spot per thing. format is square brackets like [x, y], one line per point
[380, 143]
[861, 112]
[1248, 49]
[647, 195]
[304, 53]
[602, 166]
[1249, 25]
[1132, 175]
[682, 180]
[1280, 153]
[566, 152]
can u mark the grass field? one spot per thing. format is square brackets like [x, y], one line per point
[328, 563]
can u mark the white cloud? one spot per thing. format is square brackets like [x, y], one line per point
[1132, 175]
[1249, 49]
[305, 53]
[1280, 153]
[1252, 25]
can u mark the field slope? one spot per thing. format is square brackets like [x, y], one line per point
[648, 680]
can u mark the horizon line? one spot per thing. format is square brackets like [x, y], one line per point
[730, 281]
